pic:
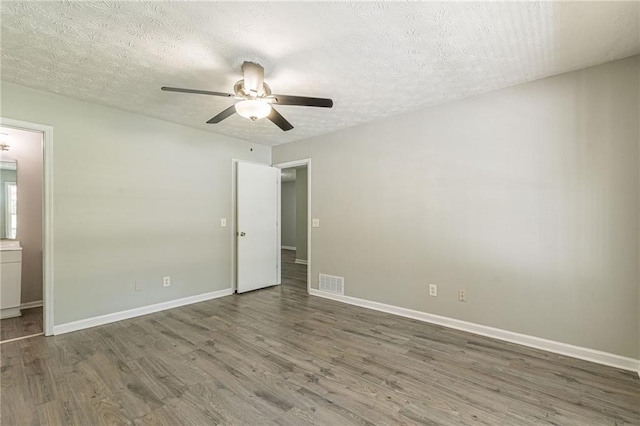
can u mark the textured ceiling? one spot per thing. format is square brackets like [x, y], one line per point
[375, 59]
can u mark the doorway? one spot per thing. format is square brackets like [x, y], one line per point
[21, 220]
[295, 223]
[304, 270]
[26, 229]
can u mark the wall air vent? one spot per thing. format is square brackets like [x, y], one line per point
[331, 284]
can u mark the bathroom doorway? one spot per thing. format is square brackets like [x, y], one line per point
[21, 233]
[295, 222]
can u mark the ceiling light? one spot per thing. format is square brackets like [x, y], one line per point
[253, 109]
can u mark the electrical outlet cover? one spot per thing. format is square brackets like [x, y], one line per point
[433, 290]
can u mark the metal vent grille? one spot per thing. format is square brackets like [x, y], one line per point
[331, 284]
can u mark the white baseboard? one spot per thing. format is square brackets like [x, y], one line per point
[288, 248]
[300, 261]
[586, 354]
[136, 312]
[7, 313]
[30, 305]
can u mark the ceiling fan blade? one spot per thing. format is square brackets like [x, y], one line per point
[302, 101]
[224, 114]
[279, 120]
[197, 92]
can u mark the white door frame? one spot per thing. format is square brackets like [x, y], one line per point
[298, 163]
[47, 214]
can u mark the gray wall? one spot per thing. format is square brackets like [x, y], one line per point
[135, 199]
[26, 149]
[301, 213]
[288, 214]
[526, 197]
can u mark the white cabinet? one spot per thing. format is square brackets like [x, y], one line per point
[10, 279]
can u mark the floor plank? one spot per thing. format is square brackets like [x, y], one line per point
[278, 356]
[28, 324]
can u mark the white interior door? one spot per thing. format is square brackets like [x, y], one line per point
[257, 233]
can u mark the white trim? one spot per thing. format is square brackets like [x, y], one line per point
[586, 354]
[296, 163]
[47, 215]
[30, 305]
[301, 261]
[288, 248]
[21, 338]
[233, 227]
[278, 225]
[136, 312]
[7, 313]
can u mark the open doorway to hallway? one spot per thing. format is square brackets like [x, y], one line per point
[21, 233]
[294, 225]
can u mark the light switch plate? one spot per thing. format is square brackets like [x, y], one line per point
[223, 222]
[315, 223]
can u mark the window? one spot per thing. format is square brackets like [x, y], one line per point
[11, 194]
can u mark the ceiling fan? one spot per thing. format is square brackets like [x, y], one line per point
[255, 98]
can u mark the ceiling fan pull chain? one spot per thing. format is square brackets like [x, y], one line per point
[253, 123]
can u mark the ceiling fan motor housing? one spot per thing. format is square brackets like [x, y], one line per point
[253, 84]
[240, 91]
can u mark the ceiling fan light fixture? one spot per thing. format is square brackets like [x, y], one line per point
[253, 109]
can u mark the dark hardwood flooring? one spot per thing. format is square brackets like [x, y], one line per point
[279, 356]
[26, 325]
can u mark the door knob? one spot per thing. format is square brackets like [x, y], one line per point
[242, 234]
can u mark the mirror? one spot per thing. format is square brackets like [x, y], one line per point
[8, 199]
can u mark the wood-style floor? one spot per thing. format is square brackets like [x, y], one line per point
[28, 324]
[279, 356]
